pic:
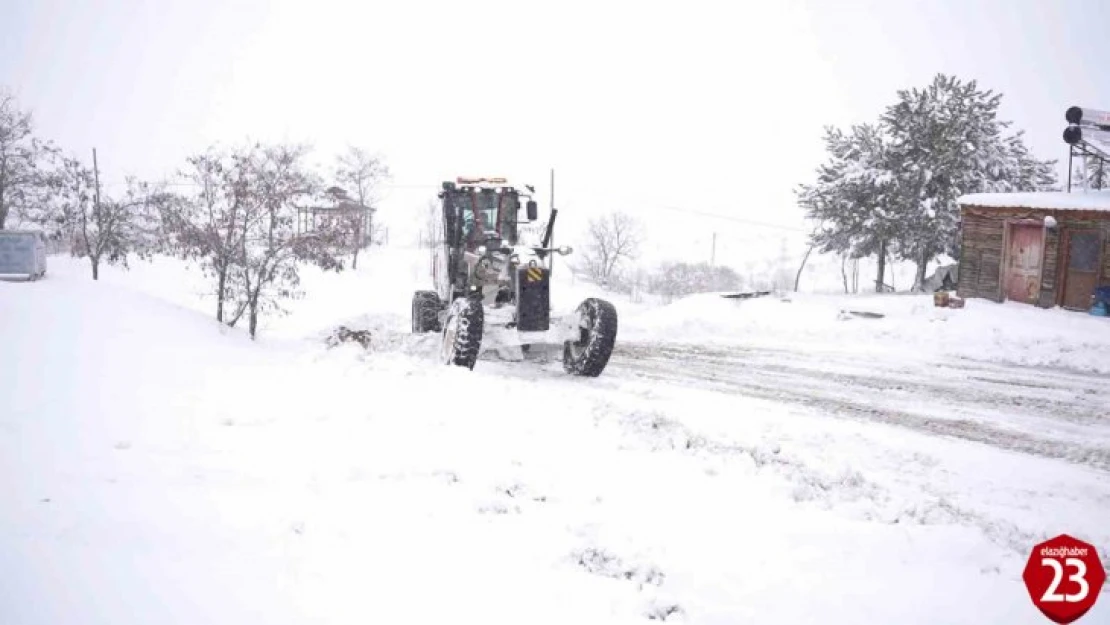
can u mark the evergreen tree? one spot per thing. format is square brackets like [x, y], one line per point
[944, 141]
[1096, 177]
[850, 201]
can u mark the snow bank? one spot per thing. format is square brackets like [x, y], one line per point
[1076, 200]
[911, 327]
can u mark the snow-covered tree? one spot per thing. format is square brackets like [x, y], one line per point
[677, 279]
[850, 200]
[943, 141]
[890, 189]
[1096, 176]
[22, 180]
[1025, 172]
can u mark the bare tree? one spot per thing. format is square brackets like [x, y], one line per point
[22, 183]
[241, 223]
[105, 230]
[208, 224]
[611, 239]
[360, 174]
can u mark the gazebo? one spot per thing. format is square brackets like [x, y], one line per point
[343, 207]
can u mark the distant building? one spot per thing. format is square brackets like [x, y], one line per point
[342, 208]
[1046, 249]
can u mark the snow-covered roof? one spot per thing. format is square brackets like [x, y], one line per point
[1051, 200]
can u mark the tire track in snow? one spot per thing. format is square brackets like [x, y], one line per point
[814, 380]
[1065, 419]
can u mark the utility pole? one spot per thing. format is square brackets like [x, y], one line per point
[96, 177]
[713, 252]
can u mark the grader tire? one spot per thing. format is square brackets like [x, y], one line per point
[462, 333]
[589, 355]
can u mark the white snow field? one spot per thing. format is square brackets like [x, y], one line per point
[738, 462]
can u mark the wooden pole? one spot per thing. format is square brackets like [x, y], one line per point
[96, 178]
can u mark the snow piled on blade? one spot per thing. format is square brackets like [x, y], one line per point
[156, 467]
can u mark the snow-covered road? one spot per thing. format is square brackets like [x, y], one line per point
[960, 430]
[1048, 412]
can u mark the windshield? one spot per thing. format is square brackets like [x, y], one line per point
[496, 214]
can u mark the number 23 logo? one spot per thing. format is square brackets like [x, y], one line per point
[1079, 577]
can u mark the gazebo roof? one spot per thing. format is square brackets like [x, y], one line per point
[343, 206]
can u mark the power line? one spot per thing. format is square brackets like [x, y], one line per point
[197, 184]
[390, 187]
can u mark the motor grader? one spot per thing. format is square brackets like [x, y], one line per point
[493, 285]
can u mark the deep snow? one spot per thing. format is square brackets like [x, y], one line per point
[911, 328]
[156, 468]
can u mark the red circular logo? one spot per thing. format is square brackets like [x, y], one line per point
[1064, 577]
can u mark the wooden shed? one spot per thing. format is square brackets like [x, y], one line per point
[1046, 249]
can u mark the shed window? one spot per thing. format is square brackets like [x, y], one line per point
[1084, 251]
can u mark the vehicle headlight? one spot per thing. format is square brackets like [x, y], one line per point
[514, 259]
[481, 250]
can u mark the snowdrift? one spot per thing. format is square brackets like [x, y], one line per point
[910, 326]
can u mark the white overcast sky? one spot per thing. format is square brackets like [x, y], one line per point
[712, 106]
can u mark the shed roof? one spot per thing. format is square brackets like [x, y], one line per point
[1048, 200]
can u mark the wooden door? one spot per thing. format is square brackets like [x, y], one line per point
[1023, 269]
[1081, 270]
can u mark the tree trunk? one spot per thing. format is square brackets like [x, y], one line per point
[238, 315]
[919, 280]
[354, 261]
[253, 319]
[844, 273]
[798, 278]
[3, 205]
[95, 267]
[221, 286]
[881, 280]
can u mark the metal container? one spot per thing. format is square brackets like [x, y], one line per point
[22, 254]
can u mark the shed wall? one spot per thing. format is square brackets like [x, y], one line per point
[983, 241]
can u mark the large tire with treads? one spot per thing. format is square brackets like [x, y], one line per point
[589, 355]
[425, 312]
[462, 333]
